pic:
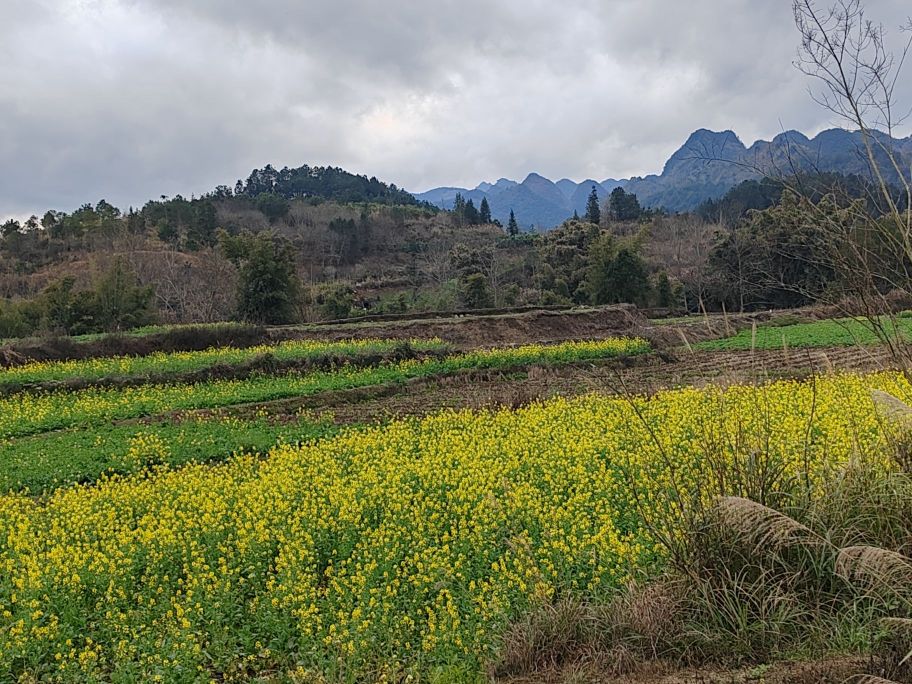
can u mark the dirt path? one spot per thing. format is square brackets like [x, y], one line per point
[826, 671]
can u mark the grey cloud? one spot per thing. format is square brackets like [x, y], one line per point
[129, 99]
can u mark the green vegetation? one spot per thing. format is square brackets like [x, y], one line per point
[841, 332]
[45, 462]
[267, 285]
[263, 567]
[624, 206]
[115, 301]
[321, 183]
[593, 210]
[159, 329]
[224, 327]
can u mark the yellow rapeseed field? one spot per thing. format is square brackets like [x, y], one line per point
[399, 549]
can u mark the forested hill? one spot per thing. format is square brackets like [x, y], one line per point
[324, 182]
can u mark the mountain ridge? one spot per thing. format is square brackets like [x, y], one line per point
[706, 166]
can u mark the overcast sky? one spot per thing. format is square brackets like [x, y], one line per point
[131, 99]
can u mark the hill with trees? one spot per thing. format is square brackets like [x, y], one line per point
[324, 182]
[319, 243]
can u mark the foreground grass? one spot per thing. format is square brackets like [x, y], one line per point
[843, 332]
[406, 549]
[26, 414]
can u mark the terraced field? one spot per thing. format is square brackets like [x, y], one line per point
[191, 531]
[176, 364]
[841, 332]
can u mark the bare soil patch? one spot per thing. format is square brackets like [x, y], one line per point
[472, 331]
[825, 671]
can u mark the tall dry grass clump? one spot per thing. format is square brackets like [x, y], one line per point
[875, 568]
[761, 526]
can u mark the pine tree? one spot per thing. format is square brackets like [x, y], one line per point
[459, 205]
[484, 211]
[470, 213]
[512, 226]
[475, 293]
[664, 293]
[593, 212]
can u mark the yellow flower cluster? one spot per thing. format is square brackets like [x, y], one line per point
[146, 448]
[396, 549]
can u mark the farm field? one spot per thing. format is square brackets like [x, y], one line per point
[162, 365]
[823, 333]
[254, 529]
[24, 414]
[43, 462]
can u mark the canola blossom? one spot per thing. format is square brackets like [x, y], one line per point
[26, 414]
[393, 550]
[188, 361]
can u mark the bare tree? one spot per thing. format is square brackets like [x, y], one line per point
[197, 288]
[433, 261]
[855, 77]
[681, 245]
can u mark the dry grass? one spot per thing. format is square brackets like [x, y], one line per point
[891, 408]
[550, 636]
[762, 526]
[897, 418]
[641, 624]
[894, 648]
[797, 576]
[874, 568]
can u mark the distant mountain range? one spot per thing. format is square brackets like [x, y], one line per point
[705, 167]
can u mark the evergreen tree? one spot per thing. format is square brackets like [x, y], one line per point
[484, 211]
[58, 302]
[268, 286]
[630, 277]
[664, 293]
[11, 227]
[616, 274]
[272, 205]
[512, 226]
[201, 231]
[474, 292]
[120, 302]
[624, 206]
[470, 213]
[459, 205]
[593, 211]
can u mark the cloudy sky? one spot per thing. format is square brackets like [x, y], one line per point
[131, 99]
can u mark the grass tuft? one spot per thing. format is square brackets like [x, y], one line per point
[760, 525]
